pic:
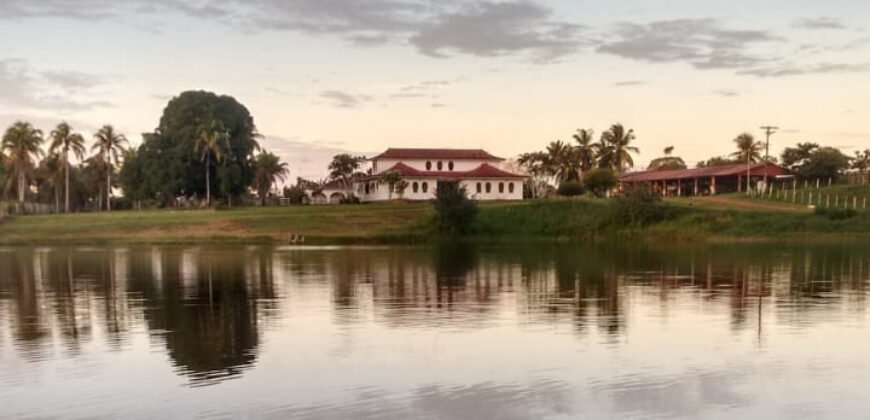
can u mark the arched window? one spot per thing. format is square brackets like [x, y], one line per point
[450, 165]
[367, 187]
[511, 187]
[440, 165]
[415, 186]
[478, 188]
[501, 187]
[428, 165]
[425, 187]
[488, 188]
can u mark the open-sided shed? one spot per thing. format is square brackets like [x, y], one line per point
[704, 181]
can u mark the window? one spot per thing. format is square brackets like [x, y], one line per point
[478, 188]
[488, 188]
[367, 187]
[501, 187]
[415, 186]
[440, 165]
[428, 165]
[450, 165]
[511, 187]
[425, 187]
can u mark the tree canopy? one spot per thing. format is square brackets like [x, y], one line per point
[166, 165]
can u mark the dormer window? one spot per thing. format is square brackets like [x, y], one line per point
[450, 165]
[440, 165]
[428, 165]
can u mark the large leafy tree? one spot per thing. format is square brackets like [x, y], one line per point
[212, 144]
[166, 165]
[794, 158]
[861, 161]
[270, 170]
[21, 143]
[63, 143]
[615, 148]
[824, 162]
[109, 146]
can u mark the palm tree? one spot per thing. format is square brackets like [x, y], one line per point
[22, 146]
[109, 146]
[748, 150]
[64, 141]
[565, 165]
[212, 143]
[50, 173]
[615, 148]
[269, 170]
[586, 149]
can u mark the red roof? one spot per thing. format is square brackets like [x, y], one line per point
[724, 170]
[446, 154]
[482, 171]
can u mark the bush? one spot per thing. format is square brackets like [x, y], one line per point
[835, 214]
[294, 194]
[599, 181]
[571, 189]
[454, 211]
[638, 206]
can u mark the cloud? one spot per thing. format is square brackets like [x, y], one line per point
[493, 29]
[438, 105]
[789, 69]
[423, 89]
[703, 43]
[626, 83]
[726, 93]
[22, 87]
[340, 99]
[819, 23]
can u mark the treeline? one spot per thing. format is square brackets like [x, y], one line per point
[205, 148]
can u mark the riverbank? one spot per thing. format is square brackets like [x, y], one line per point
[560, 219]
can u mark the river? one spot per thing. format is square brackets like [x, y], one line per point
[461, 331]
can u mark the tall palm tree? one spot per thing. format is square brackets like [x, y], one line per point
[212, 143]
[616, 148]
[64, 141]
[50, 174]
[21, 142]
[586, 149]
[109, 146]
[565, 165]
[749, 150]
[269, 170]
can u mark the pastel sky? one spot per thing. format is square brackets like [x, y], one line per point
[324, 76]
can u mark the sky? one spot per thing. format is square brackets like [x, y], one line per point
[323, 77]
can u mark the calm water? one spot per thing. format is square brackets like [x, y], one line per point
[560, 331]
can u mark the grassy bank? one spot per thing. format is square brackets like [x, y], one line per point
[412, 222]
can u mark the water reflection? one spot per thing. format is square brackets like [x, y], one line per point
[210, 310]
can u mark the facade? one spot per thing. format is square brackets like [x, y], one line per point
[705, 181]
[332, 192]
[422, 169]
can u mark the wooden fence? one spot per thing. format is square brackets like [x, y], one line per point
[15, 208]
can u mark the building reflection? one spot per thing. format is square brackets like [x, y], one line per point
[209, 308]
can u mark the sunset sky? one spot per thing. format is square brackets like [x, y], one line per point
[324, 76]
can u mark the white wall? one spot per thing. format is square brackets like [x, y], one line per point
[381, 190]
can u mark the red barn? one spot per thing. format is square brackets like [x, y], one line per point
[704, 181]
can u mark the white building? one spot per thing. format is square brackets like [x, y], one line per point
[422, 169]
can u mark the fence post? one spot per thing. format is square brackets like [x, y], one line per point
[810, 200]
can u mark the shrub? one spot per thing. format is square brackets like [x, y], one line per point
[294, 194]
[454, 211]
[835, 214]
[571, 189]
[599, 181]
[638, 206]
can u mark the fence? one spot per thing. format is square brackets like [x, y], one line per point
[817, 193]
[12, 209]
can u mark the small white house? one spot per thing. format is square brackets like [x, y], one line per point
[422, 169]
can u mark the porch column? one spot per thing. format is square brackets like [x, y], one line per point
[696, 186]
[739, 183]
[712, 185]
[679, 188]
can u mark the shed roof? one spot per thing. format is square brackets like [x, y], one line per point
[711, 171]
[447, 154]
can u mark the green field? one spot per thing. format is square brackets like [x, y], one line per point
[721, 218]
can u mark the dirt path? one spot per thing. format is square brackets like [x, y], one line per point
[745, 204]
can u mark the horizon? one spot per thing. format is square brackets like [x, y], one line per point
[322, 78]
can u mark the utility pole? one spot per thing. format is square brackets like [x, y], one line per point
[768, 130]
